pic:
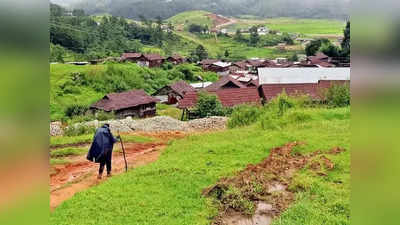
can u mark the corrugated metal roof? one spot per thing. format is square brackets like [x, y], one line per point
[301, 75]
[201, 85]
[222, 64]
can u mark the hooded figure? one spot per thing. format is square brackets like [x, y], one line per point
[101, 149]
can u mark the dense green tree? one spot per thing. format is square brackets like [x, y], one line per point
[346, 41]
[313, 47]
[254, 37]
[208, 105]
[201, 52]
[226, 54]
[238, 36]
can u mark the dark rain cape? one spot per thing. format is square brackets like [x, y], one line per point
[103, 142]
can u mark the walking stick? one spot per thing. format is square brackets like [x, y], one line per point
[123, 151]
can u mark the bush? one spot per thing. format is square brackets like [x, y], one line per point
[76, 110]
[102, 116]
[244, 115]
[79, 130]
[208, 105]
[338, 96]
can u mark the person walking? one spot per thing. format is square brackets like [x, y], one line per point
[101, 149]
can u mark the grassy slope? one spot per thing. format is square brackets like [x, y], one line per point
[58, 75]
[169, 191]
[191, 17]
[308, 27]
[303, 26]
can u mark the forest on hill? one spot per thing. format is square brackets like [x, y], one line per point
[338, 9]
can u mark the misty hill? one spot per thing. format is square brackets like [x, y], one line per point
[338, 9]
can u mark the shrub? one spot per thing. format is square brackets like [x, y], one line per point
[79, 130]
[102, 116]
[281, 103]
[76, 110]
[338, 96]
[208, 105]
[244, 115]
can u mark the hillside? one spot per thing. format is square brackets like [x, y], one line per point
[169, 191]
[216, 46]
[261, 8]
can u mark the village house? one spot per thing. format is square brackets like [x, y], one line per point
[151, 60]
[226, 82]
[263, 30]
[227, 97]
[299, 81]
[221, 68]
[321, 60]
[205, 63]
[176, 59]
[135, 103]
[173, 93]
[131, 57]
[200, 85]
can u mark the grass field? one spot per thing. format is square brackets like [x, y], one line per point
[168, 192]
[191, 17]
[293, 25]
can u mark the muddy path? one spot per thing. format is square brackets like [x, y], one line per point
[80, 174]
[220, 22]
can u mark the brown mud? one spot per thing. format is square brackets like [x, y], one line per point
[260, 193]
[80, 174]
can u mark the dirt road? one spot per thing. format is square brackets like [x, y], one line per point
[80, 174]
[220, 22]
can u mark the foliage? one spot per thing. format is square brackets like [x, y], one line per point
[79, 130]
[64, 152]
[199, 54]
[346, 41]
[313, 47]
[244, 115]
[189, 165]
[208, 105]
[329, 49]
[167, 110]
[254, 37]
[338, 96]
[76, 110]
[195, 28]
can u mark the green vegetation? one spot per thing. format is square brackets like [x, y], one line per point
[208, 105]
[88, 138]
[294, 25]
[64, 152]
[169, 190]
[74, 88]
[167, 110]
[191, 17]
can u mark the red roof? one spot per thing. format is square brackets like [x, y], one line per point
[321, 55]
[228, 97]
[130, 55]
[181, 87]
[152, 57]
[123, 100]
[176, 57]
[271, 91]
[225, 82]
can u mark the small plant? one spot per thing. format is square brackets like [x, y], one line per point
[338, 95]
[76, 110]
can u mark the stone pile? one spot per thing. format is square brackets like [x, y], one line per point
[56, 128]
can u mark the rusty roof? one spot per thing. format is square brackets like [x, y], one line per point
[152, 57]
[123, 100]
[228, 97]
[223, 82]
[131, 55]
[208, 61]
[181, 87]
[176, 57]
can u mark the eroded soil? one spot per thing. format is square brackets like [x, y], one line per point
[260, 192]
[80, 174]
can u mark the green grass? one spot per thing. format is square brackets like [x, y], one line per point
[87, 139]
[64, 152]
[191, 17]
[167, 110]
[293, 25]
[168, 191]
[58, 161]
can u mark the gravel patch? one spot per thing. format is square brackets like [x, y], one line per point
[159, 123]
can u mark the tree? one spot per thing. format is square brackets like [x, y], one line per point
[287, 39]
[238, 36]
[254, 37]
[78, 12]
[195, 28]
[329, 49]
[201, 52]
[226, 53]
[208, 105]
[346, 41]
[313, 47]
[294, 58]
[57, 53]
